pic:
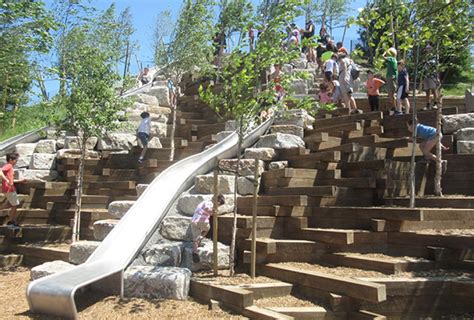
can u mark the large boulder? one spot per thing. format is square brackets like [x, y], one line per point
[152, 109]
[49, 268]
[25, 148]
[299, 86]
[155, 143]
[455, 122]
[188, 203]
[205, 184]
[36, 175]
[466, 134]
[165, 254]
[76, 154]
[176, 228]
[146, 99]
[265, 154]
[162, 93]
[280, 141]
[141, 188]
[74, 142]
[157, 282]
[103, 227]
[289, 129]
[80, 251]
[25, 151]
[205, 256]
[43, 161]
[117, 141]
[135, 115]
[298, 117]
[278, 165]
[246, 166]
[245, 185]
[119, 208]
[46, 146]
[464, 147]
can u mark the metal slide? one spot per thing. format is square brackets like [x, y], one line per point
[30, 136]
[54, 294]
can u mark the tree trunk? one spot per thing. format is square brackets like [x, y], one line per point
[234, 225]
[125, 68]
[253, 265]
[215, 221]
[173, 102]
[80, 181]
[15, 109]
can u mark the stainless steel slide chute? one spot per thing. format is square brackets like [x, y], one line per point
[54, 294]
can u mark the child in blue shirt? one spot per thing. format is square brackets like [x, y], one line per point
[428, 135]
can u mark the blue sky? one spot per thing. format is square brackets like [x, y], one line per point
[144, 16]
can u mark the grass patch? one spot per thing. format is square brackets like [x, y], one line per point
[27, 119]
[458, 89]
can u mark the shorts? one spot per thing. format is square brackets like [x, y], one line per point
[374, 103]
[346, 88]
[144, 138]
[197, 228]
[12, 197]
[328, 75]
[391, 85]
[430, 84]
[401, 93]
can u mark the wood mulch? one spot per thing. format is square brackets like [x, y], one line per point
[13, 304]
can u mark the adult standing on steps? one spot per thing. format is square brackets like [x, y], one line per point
[390, 57]
[345, 81]
[143, 134]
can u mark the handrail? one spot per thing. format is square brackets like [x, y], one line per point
[54, 294]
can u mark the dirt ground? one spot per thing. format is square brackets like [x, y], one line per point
[13, 304]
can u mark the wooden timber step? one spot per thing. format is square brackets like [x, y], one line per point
[88, 217]
[377, 116]
[284, 250]
[179, 142]
[27, 216]
[434, 202]
[36, 233]
[326, 156]
[10, 260]
[314, 136]
[38, 253]
[340, 236]
[327, 191]
[360, 290]
[315, 313]
[290, 200]
[276, 210]
[410, 214]
[360, 183]
[388, 265]
[207, 129]
[440, 240]
[268, 290]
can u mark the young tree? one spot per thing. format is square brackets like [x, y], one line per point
[327, 12]
[25, 31]
[241, 93]
[89, 90]
[163, 29]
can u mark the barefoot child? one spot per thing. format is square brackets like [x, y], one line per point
[200, 222]
[429, 136]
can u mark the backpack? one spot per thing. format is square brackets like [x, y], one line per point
[355, 71]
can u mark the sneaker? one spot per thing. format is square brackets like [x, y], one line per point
[434, 107]
[397, 113]
[13, 224]
[196, 257]
[140, 160]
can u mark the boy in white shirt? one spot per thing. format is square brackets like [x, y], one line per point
[143, 133]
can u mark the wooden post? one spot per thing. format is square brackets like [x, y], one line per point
[215, 221]
[253, 263]
[437, 183]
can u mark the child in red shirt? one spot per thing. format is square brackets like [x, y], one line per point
[373, 84]
[8, 187]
